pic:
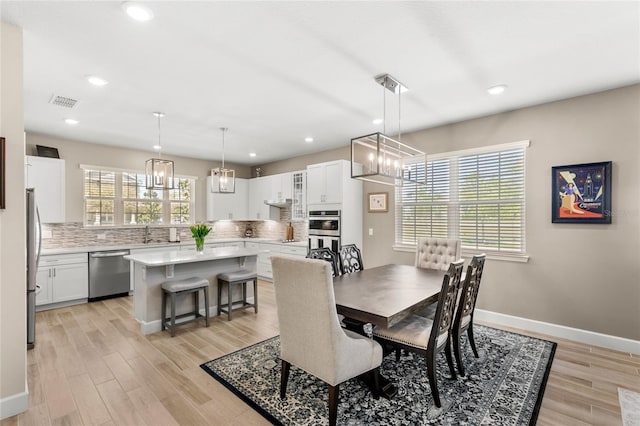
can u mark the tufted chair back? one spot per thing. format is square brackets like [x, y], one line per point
[437, 253]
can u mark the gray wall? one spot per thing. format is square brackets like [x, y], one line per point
[582, 276]
[75, 153]
[13, 340]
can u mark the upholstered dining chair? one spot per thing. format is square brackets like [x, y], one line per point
[328, 255]
[466, 307]
[425, 336]
[350, 259]
[310, 336]
[437, 253]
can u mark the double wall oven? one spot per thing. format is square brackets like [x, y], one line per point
[325, 229]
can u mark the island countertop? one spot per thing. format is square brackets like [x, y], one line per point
[175, 257]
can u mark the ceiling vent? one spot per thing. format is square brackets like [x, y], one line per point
[63, 101]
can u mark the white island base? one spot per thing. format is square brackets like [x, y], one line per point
[150, 270]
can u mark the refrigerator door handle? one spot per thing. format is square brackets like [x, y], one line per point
[39, 237]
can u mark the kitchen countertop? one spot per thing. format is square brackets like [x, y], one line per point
[177, 256]
[105, 247]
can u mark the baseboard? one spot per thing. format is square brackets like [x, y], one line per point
[582, 336]
[14, 404]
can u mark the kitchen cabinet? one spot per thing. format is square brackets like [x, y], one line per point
[62, 278]
[266, 250]
[325, 182]
[259, 191]
[299, 195]
[281, 188]
[233, 206]
[47, 176]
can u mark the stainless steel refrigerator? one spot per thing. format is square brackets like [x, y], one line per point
[34, 245]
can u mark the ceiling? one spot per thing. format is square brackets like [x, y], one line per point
[277, 72]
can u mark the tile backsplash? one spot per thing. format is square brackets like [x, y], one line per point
[75, 234]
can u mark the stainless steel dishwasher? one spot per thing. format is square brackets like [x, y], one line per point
[108, 274]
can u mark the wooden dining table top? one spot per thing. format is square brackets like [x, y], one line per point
[387, 294]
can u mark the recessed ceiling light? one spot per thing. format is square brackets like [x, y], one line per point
[252, 154]
[71, 121]
[97, 81]
[378, 121]
[496, 90]
[308, 139]
[137, 11]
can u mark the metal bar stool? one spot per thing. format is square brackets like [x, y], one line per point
[230, 279]
[184, 286]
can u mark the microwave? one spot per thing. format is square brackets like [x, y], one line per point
[324, 223]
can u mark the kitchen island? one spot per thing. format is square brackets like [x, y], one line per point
[151, 269]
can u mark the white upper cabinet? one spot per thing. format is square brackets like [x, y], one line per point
[299, 195]
[325, 182]
[281, 186]
[233, 206]
[47, 176]
[260, 190]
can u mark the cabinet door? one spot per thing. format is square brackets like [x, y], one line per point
[315, 184]
[257, 188]
[46, 175]
[299, 195]
[286, 185]
[239, 203]
[333, 182]
[43, 289]
[70, 282]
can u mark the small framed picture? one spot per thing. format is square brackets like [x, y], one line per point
[581, 193]
[378, 202]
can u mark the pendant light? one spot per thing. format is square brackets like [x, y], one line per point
[381, 159]
[159, 172]
[223, 181]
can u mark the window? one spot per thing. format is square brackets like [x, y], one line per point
[476, 196]
[113, 198]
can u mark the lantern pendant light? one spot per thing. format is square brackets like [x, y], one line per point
[223, 180]
[159, 172]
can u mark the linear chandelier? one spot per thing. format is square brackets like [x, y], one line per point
[381, 159]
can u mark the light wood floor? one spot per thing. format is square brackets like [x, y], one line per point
[91, 365]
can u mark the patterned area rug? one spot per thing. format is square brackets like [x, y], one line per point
[629, 407]
[503, 387]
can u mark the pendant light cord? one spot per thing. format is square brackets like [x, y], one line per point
[159, 142]
[224, 129]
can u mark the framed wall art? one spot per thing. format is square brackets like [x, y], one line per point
[2, 174]
[378, 202]
[581, 193]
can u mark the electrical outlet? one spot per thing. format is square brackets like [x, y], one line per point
[370, 232]
[237, 228]
[102, 236]
[46, 234]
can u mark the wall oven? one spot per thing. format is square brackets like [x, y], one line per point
[324, 229]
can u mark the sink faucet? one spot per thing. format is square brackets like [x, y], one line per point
[147, 234]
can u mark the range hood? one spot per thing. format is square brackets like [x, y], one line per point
[279, 203]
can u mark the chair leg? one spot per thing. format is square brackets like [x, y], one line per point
[173, 314]
[284, 378]
[229, 302]
[447, 353]
[244, 293]
[333, 404]
[196, 302]
[255, 295]
[472, 340]
[374, 378]
[164, 309]
[219, 297]
[398, 354]
[457, 353]
[206, 306]
[431, 373]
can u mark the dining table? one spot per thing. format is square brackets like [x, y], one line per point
[384, 296]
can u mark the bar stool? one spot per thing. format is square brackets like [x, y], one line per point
[184, 286]
[230, 279]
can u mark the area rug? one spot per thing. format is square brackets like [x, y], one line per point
[629, 407]
[503, 387]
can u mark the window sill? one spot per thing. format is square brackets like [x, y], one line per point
[516, 257]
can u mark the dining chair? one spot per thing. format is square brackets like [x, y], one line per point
[310, 336]
[436, 253]
[425, 336]
[350, 259]
[466, 307]
[328, 255]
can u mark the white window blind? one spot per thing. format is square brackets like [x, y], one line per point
[477, 197]
[117, 197]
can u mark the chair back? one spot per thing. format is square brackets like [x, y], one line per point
[437, 253]
[444, 316]
[328, 255]
[350, 259]
[310, 335]
[469, 293]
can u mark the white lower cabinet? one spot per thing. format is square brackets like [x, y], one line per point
[266, 250]
[62, 278]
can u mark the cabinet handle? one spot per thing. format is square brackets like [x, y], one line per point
[54, 272]
[49, 272]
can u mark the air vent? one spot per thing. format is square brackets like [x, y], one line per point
[63, 101]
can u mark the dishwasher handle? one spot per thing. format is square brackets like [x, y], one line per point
[109, 254]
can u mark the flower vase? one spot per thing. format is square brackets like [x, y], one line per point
[199, 245]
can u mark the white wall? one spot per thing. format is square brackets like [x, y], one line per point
[13, 340]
